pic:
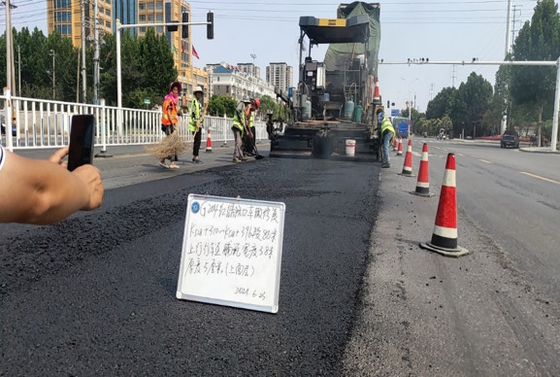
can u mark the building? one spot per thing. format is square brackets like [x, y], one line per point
[250, 69]
[280, 75]
[158, 11]
[65, 16]
[232, 81]
[126, 11]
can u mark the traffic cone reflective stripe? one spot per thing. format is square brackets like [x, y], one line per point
[407, 166]
[423, 182]
[444, 237]
[209, 142]
[395, 143]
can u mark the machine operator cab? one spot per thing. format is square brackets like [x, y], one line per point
[327, 92]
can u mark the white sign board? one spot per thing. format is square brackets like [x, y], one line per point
[232, 252]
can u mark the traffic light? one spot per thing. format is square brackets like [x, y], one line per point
[210, 26]
[171, 28]
[185, 28]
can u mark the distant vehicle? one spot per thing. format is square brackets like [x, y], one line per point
[509, 139]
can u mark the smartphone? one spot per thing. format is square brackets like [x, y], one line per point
[81, 141]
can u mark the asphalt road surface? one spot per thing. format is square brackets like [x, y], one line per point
[95, 294]
[493, 312]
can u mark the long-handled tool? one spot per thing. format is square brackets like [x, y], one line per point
[258, 156]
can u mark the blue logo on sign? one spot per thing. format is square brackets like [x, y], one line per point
[195, 207]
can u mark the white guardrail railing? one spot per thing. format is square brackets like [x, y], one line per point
[46, 124]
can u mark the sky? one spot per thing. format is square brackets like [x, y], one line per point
[441, 30]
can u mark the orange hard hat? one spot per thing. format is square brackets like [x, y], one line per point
[257, 102]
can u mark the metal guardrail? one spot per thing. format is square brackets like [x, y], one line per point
[46, 124]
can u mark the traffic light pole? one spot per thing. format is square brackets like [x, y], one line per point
[119, 27]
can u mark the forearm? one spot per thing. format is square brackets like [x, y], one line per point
[39, 192]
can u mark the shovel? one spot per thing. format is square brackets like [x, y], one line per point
[258, 155]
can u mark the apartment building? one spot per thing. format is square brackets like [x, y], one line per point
[231, 81]
[65, 16]
[157, 11]
[280, 75]
[250, 69]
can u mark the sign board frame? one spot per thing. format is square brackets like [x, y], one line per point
[232, 252]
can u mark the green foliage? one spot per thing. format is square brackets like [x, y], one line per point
[147, 67]
[442, 104]
[220, 105]
[267, 103]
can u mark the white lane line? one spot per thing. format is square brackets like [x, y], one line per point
[539, 177]
[485, 161]
[460, 154]
[416, 154]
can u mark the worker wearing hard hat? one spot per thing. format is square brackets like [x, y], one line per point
[241, 125]
[387, 135]
[250, 139]
[195, 123]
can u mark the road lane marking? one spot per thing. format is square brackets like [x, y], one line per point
[485, 161]
[460, 154]
[539, 177]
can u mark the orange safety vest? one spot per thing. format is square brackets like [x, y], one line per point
[169, 116]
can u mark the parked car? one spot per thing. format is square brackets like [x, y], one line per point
[510, 139]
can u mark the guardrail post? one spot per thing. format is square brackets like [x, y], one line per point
[8, 119]
[224, 130]
[103, 153]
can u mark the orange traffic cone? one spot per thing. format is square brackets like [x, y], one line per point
[444, 237]
[376, 95]
[395, 143]
[423, 182]
[407, 166]
[209, 142]
[399, 149]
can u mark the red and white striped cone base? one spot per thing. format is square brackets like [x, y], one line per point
[423, 182]
[209, 142]
[407, 166]
[444, 238]
[399, 150]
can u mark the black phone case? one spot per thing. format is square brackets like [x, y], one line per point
[81, 141]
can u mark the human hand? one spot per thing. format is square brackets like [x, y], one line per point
[57, 156]
[91, 176]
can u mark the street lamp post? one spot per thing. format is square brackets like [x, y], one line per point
[253, 56]
[53, 54]
[410, 104]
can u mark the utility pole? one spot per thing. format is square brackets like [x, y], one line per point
[84, 90]
[508, 28]
[53, 54]
[10, 76]
[19, 69]
[95, 53]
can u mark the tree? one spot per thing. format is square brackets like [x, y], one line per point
[220, 105]
[267, 104]
[471, 103]
[442, 103]
[538, 40]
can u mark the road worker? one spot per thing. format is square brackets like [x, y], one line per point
[387, 135]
